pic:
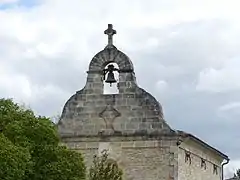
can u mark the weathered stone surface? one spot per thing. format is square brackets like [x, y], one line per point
[186, 170]
[154, 158]
[131, 110]
[140, 159]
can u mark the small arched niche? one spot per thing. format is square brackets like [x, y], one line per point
[111, 88]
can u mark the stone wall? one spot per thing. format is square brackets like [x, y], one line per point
[201, 163]
[139, 159]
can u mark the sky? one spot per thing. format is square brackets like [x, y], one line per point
[185, 53]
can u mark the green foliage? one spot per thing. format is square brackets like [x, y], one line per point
[30, 150]
[104, 168]
[61, 164]
[14, 160]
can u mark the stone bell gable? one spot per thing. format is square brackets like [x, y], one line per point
[130, 125]
[133, 110]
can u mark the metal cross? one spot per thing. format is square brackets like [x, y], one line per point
[110, 32]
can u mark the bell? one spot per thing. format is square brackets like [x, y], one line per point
[110, 78]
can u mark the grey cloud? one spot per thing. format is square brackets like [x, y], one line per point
[196, 114]
[182, 52]
[195, 47]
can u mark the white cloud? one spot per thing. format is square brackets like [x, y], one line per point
[229, 111]
[230, 106]
[161, 86]
[14, 85]
[223, 79]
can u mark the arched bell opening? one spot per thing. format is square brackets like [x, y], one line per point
[111, 78]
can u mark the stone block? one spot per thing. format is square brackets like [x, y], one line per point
[132, 126]
[92, 145]
[144, 125]
[127, 144]
[150, 143]
[138, 144]
[156, 125]
[80, 145]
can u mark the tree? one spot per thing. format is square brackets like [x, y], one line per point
[104, 168]
[30, 147]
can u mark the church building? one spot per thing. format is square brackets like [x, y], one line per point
[130, 124]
